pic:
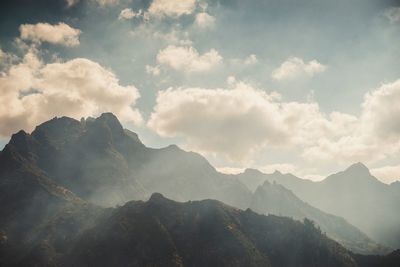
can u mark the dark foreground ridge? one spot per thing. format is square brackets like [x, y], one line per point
[162, 232]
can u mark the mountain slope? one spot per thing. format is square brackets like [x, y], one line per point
[30, 200]
[276, 199]
[103, 163]
[364, 201]
[162, 232]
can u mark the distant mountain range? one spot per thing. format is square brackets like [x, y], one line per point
[276, 199]
[353, 194]
[54, 180]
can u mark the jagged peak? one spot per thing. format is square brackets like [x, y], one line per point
[267, 183]
[276, 172]
[20, 133]
[111, 121]
[156, 197]
[19, 137]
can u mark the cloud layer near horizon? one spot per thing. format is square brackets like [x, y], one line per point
[239, 121]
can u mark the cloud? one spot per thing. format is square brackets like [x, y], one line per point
[230, 170]
[186, 58]
[128, 13]
[393, 14]
[251, 60]
[104, 3]
[155, 71]
[229, 122]
[214, 120]
[61, 33]
[237, 122]
[71, 3]
[295, 67]
[204, 20]
[387, 174]
[32, 92]
[171, 8]
[381, 111]
[6, 60]
[375, 134]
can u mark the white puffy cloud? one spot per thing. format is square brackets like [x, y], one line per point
[186, 58]
[155, 71]
[251, 60]
[61, 33]
[32, 92]
[295, 67]
[372, 137]
[387, 174]
[381, 111]
[171, 8]
[128, 13]
[204, 20]
[229, 122]
[393, 14]
[237, 122]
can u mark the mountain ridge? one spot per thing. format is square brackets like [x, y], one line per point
[107, 165]
[364, 201]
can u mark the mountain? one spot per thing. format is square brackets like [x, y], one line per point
[252, 178]
[97, 161]
[105, 164]
[34, 207]
[276, 199]
[162, 232]
[355, 195]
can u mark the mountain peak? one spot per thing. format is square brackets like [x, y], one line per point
[20, 139]
[158, 198]
[112, 122]
[252, 171]
[110, 119]
[276, 172]
[358, 168]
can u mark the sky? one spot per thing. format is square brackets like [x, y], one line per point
[301, 86]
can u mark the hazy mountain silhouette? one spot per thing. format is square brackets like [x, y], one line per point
[355, 195]
[49, 177]
[100, 161]
[276, 199]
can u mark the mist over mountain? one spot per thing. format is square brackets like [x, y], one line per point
[124, 125]
[101, 162]
[355, 195]
[161, 232]
[276, 199]
[55, 180]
